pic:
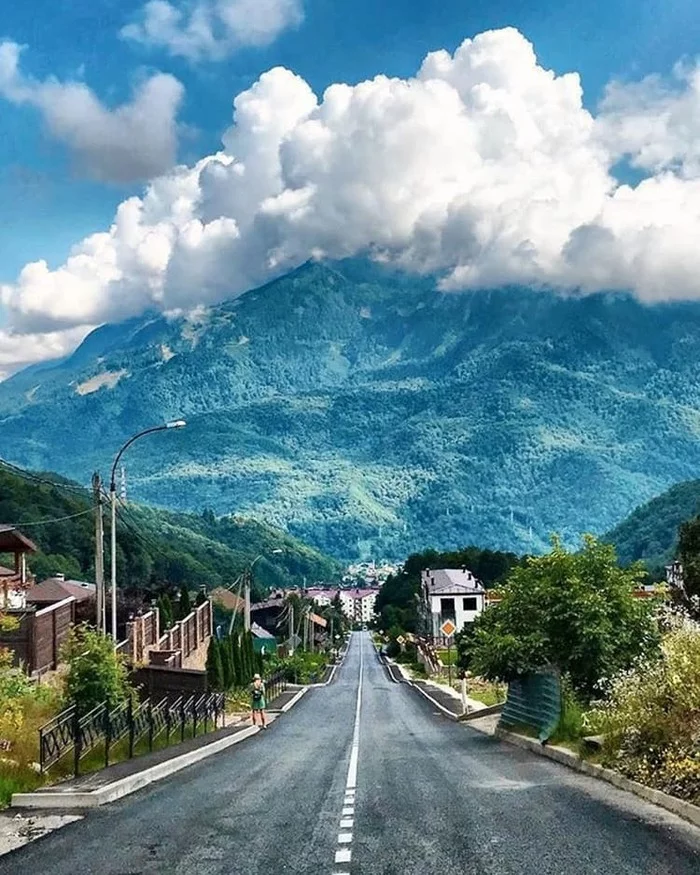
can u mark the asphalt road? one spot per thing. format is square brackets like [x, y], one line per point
[431, 796]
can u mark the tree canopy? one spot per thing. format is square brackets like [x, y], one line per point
[574, 611]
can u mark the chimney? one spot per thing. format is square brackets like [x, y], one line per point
[60, 576]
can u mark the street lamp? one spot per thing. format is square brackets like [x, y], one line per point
[248, 583]
[177, 423]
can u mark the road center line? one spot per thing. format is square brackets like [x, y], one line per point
[343, 854]
[351, 782]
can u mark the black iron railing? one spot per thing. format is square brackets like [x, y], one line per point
[72, 732]
[274, 685]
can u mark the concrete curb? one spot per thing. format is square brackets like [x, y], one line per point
[69, 800]
[486, 711]
[292, 702]
[683, 809]
[80, 800]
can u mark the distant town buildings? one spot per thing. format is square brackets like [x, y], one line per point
[369, 573]
[357, 603]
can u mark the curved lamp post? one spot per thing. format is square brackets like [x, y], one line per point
[248, 583]
[177, 423]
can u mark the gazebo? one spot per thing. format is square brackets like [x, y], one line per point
[14, 582]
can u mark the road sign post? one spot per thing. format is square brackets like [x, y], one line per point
[448, 629]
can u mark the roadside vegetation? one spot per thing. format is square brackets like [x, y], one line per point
[629, 666]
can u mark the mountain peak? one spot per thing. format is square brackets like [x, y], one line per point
[363, 411]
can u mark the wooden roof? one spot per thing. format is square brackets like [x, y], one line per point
[13, 541]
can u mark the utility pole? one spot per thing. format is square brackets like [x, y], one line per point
[99, 555]
[113, 568]
[246, 623]
[291, 626]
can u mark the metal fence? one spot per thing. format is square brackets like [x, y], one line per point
[72, 732]
[534, 700]
[274, 685]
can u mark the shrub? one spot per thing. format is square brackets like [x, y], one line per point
[572, 726]
[651, 718]
[96, 673]
[576, 611]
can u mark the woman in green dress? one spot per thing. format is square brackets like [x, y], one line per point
[257, 695]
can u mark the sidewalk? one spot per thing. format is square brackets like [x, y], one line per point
[445, 696]
[279, 703]
[450, 699]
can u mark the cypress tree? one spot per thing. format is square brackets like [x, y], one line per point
[185, 603]
[250, 654]
[227, 663]
[214, 667]
[235, 649]
[166, 611]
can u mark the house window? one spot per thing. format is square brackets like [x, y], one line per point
[470, 604]
[447, 609]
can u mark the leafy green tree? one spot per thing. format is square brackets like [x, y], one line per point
[214, 667]
[689, 555]
[96, 673]
[575, 611]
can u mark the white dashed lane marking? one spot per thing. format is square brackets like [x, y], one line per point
[347, 822]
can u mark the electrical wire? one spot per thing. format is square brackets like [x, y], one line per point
[59, 519]
[27, 475]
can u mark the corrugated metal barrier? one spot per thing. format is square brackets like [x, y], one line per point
[534, 700]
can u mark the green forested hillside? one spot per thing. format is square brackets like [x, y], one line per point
[367, 413]
[650, 532]
[155, 549]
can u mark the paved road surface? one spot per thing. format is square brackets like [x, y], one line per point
[377, 782]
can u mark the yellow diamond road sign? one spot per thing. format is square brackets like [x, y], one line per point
[401, 640]
[448, 628]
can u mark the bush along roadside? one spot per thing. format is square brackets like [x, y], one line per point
[650, 717]
[24, 707]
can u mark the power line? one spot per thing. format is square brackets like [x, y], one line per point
[59, 519]
[27, 475]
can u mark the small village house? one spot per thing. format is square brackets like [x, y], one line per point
[450, 594]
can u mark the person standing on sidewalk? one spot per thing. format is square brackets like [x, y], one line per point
[257, 695]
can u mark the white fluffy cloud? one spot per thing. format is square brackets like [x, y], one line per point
[483, 168]
[134, 141]
[17, 350]
[212, 29]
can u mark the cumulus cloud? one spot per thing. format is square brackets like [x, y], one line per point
[134, 141]
[483, 168]
[17, 350]
[655, 123]
[212, 29]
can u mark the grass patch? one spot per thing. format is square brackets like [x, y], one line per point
[486, 692]
[448, 657]
[17, 779]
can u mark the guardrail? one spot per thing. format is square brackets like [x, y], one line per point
[78, 733]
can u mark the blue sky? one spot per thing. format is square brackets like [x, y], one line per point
[44, 207]
[485, 170]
